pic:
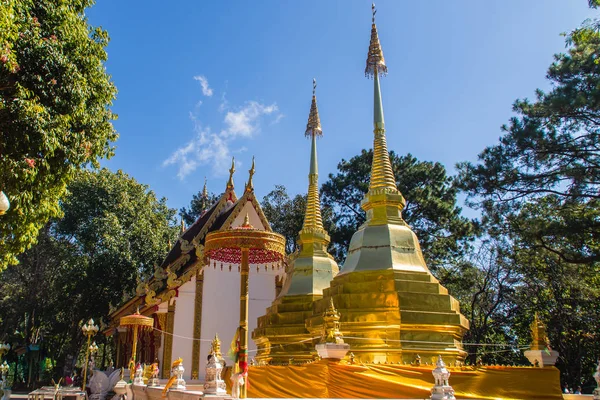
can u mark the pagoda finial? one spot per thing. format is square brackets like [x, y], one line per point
[231, 171]
[382, 182]
[312, 217]
[313, 127]
[182, 224]
[375, 61]
[250, 184]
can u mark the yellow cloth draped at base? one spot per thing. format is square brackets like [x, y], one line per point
[325, 379]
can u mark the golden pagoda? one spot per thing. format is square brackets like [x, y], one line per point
[392, 308]
[281, 334]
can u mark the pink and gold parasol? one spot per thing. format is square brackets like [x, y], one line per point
[244, 245]
[136, 321]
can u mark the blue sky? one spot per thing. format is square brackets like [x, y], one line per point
[200, 81]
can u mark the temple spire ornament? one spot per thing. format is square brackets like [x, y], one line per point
[312, 217]
[251, 171]
[231, 171]
[182, 225]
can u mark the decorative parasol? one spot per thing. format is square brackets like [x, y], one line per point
[244, 245]
[135, 321]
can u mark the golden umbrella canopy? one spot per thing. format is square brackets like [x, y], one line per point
[136, 321]
[244, 245]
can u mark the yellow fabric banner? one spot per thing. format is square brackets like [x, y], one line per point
[325, 379]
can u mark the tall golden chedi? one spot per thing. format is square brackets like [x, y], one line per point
[281, 334]
[392, 308]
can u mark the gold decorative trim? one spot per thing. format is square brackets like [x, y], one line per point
[197, 324]
[168, 349]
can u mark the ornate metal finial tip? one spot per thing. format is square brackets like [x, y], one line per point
[313, 127]
[374, 11]
[375, 59]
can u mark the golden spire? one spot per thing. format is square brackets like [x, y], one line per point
[375, 61]
[204, 196]
[312, 217]
[182, 225]
[313, 127]
[250, 185]
[231, 171]
[383, 202]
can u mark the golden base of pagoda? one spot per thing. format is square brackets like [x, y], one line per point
[339, 380]
[394, 316]
[281, 333]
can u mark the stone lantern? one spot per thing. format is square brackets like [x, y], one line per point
[442, 389]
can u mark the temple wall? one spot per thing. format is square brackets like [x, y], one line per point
[184, 325]
[220, 310]
[221, 304]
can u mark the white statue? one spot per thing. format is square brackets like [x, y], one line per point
[442, 389]
[99, 385]
[139, 375]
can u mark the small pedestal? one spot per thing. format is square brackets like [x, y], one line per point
[334, 351]
[542, 358]
[154, 382]
[178, 372]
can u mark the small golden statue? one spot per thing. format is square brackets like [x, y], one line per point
[539, 338]
[331, 325]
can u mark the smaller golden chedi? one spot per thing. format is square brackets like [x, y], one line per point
[281, 334]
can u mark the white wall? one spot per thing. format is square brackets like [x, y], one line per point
[184, 325]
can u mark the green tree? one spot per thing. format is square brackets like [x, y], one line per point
[113, 232]
[431, 208]
[54, 111]
[538, 189]
[550, 152]
[285, 215]
[199, 203]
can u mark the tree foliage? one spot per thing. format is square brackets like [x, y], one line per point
[431, 209]
[113, 231]
[54, 115]
[538, 189]
[198, 204]
[550, 154]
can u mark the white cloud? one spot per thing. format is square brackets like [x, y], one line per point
[245, 121]
[215, 148]
[206, 90]
[205, 148]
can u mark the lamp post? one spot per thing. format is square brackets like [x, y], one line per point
[88, 330]
[93, 351]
